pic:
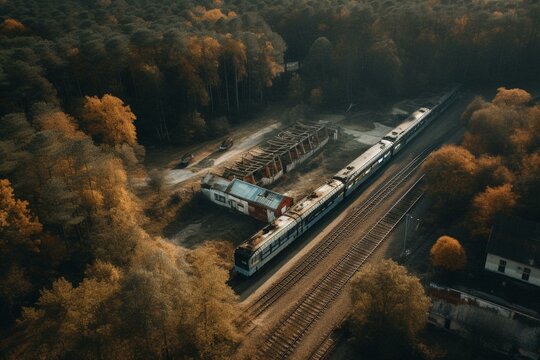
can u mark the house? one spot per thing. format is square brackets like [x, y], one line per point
[498, 324]
[514, 250]
[244, 197]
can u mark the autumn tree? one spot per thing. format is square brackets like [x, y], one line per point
[12, 27]
[489, 204]
[511, 97]
[388, 303]
[528, 185]
[235, 61]
[109, 120]
[448, 254]
[71, 320]
[450, 176]
[214, 306]
[19, 245]
[17, 224]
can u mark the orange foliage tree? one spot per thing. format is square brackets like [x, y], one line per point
[12, 26]
[490, 203]
[109, 120]
[450, 175]
[448, 254]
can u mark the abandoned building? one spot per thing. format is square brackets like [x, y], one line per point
[513, 250]
[500, 326]
[245, 197]
[269, 161]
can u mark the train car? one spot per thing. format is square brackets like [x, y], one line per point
[408, 129]
[358, 171]
[273, 238]
[446, 100]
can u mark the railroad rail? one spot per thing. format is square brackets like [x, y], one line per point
[343, 230]
[294, 325]
[328, 344]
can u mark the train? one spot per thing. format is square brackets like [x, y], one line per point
[264, 245]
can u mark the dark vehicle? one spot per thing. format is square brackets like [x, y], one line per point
[186, 159]
[226, 144]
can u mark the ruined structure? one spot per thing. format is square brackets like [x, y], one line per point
[268, 162]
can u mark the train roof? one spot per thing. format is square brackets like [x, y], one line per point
[307, 203]
[401, 128]
[282, 223]
[262, 236]
[360, 162]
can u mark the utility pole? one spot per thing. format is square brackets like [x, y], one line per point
[407, 217]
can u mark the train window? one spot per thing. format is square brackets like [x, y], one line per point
[219, 198]
[387, 155]
[255, 259]
[380, 160]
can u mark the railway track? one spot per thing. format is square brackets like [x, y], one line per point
[343, 230]
[327, 345]
[296, 322]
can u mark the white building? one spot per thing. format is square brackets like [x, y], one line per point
[514, 250]
[244, 197]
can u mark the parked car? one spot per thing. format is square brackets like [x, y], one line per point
[226, 144]
[186, 159]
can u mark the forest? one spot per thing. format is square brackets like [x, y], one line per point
[187, 68]
[85, 85]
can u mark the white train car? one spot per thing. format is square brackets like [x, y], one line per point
[358, 171]
[273, 238]
[408, 129]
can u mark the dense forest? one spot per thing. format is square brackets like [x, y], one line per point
[84, 83]
[183, 65]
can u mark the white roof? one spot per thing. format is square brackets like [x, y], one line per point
[359, 164]
[411, 120]
[267, 233]
[312, 199]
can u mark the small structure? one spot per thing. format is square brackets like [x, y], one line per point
[268, 162]
[514, 250]
[245, 197]
[475, 315]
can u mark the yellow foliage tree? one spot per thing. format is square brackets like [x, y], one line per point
[17, 224]
[387, 302]
[448, 254]
[109, 120]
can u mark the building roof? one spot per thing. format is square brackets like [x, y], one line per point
[516, 239]
[255, 194]
[215, 182]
